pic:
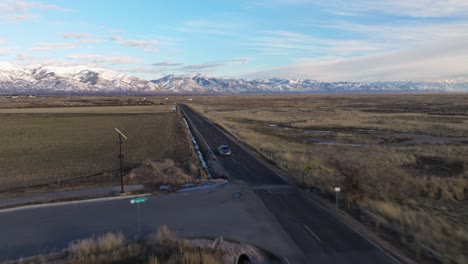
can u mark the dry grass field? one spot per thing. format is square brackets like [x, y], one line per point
[52, 145]
[401, 160]
[160, 247]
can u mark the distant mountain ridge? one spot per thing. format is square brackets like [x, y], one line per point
[40, 79]
[201, 85]
[69, 79]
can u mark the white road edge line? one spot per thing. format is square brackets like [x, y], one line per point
[92, 200]
[359, 233]
[310, 231]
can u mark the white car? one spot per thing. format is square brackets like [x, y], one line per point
[224, 150]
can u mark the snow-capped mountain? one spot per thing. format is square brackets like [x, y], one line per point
[39, 79]
[69, 79]
[199, 84]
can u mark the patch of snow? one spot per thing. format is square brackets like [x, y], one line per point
[197, 148]
[203, 187]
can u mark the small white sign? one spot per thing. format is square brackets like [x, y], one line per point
[337, 189]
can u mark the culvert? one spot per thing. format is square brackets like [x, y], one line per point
[243, 259]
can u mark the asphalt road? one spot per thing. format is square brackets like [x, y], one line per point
[320, 237]
[204, 213]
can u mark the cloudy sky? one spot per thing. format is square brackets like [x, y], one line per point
[335, 40]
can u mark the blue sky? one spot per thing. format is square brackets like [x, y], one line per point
[324, 40]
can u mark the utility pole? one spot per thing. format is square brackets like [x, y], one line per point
[121, 159]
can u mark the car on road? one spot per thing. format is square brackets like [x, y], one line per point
[224, 150]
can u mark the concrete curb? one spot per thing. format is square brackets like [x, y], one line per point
[90, 200]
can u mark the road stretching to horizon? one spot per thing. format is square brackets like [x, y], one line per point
[321, 238]
[258, 207]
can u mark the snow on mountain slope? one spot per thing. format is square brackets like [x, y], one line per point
[83, 79]
[199, 84]
[70, 79]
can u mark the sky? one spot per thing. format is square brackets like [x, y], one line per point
[335, 40]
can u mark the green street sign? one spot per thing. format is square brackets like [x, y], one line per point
[309, 168]
[138, 200]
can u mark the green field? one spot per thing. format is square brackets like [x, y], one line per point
[42, 146]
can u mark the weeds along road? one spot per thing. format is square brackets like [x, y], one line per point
[320, 237]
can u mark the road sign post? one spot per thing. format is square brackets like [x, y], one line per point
[337, 191]
[137, 201]
[309, 169]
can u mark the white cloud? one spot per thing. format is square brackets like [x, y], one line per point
[75, 35]
[412, 8]
[238, 61]
[137, 70]
[74, 42]
[167, 64]
[118, 60]
[434, 61]
[401, 49]
[196, 67]
[53, 46]
[212, 65]
[22, 10]
[23, 57]
[286, 42]
[415, 31]
[101, 59]
[18, 16]
[146, 45]
[6, 51]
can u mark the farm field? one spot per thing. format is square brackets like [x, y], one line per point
[400, 160]
[51, 146]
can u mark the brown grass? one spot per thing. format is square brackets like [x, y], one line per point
[166, 172]
[416, 191]
[160, 247]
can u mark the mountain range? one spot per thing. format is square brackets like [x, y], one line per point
[39, 79]
[70, 79]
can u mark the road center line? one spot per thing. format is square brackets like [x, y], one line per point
[310, 231]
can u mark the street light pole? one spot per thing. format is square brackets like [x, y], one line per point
[337, 191]
[121, 159]
[121, 163]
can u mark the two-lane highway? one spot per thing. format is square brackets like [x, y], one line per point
[321, 238]
[241, 163]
